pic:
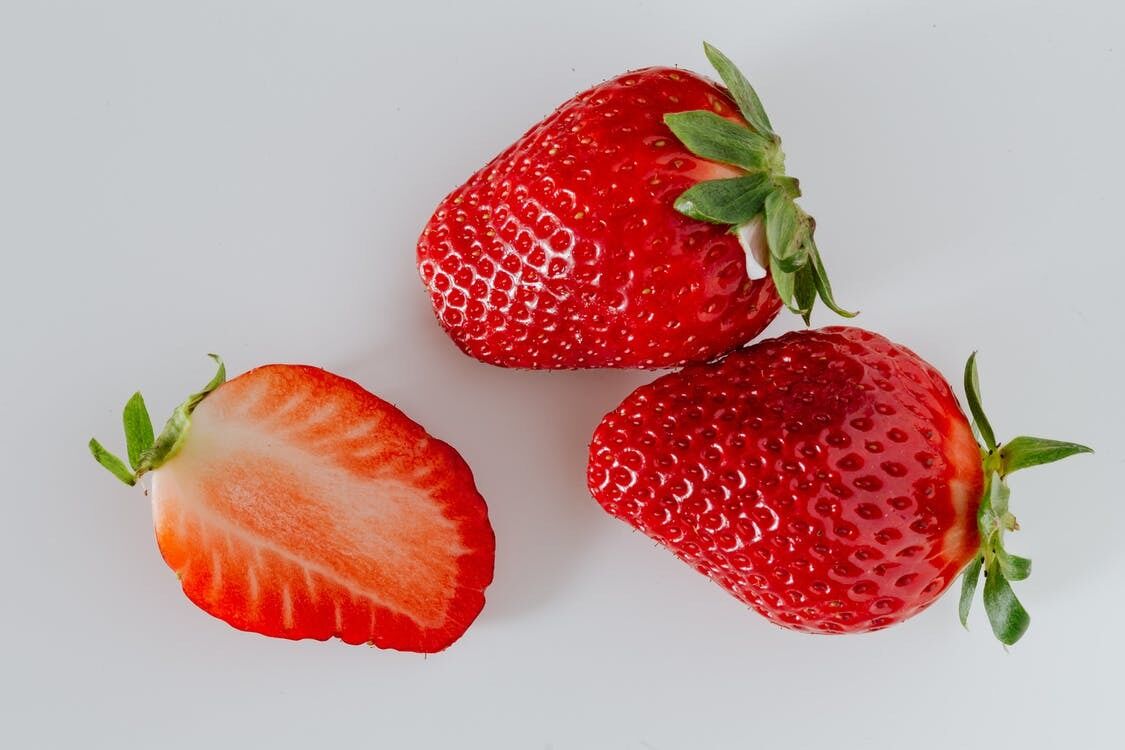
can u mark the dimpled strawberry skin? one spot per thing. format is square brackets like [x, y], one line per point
[827, 478]
[565, 251]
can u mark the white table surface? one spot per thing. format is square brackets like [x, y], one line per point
[250, 179]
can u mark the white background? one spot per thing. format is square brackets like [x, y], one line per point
[250, 179]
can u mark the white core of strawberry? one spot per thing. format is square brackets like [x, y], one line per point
[752, 238]
[246, 494]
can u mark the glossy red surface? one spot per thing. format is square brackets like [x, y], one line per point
[565, 251]
[827, 478]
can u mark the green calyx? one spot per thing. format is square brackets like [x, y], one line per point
[763, 194]
[145, 450]
[1007, 616]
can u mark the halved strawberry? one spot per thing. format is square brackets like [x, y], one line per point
[293, 503]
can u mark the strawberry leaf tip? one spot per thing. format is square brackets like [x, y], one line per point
[969, 580]
[1023, 451]
[111, 462]
[972, 394]
[740, 89]
[735, 200]
[763, 191]
[145, 451]
[1008, 617]
[716, 138]
[138, 429]
[1006, 614]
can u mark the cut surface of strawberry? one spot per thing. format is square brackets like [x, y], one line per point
[298, 505]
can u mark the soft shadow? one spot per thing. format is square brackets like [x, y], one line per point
[525, 435]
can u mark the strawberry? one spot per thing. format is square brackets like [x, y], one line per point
[630, 228]
[293, 503]
[826, 478]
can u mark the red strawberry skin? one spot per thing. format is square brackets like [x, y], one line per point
[302, 506]
[827, 478]
[565, 251]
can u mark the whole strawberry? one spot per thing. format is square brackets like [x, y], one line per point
[827, 478]
[647, 222]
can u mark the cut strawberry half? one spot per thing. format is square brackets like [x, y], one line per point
[293, 503]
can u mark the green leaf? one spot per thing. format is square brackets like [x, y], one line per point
[785, 283]
[823, 288]
[171, 436]
[1023, 451]
[138, 429]
[744, 95]
[1008, 617]
[781, 229]
[804, 292]
[791, 186]
[969, 588]
[1014, 567]
[219, 378]
[713, 137]
[797, 259]
[115, 465]
[999, 494]
[986, 519]
[972, 393]
[736, 200]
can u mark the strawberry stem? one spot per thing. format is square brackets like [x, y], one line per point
[763, 193]
[147, 453]
[1006, 614]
